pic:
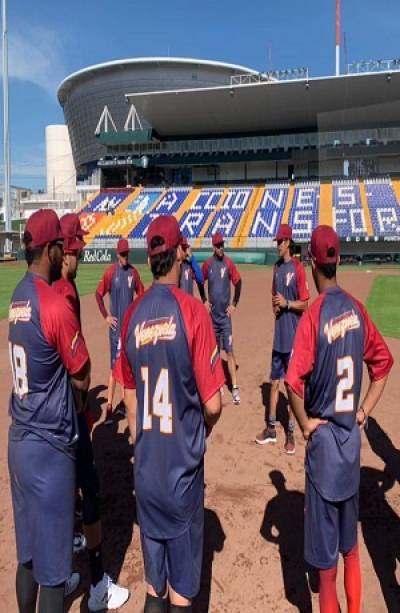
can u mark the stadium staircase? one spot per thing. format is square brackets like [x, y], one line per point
[105, 221]
[325, 204]
[289, 203]
[209, 221]
[243, 230]
[396, 189]
[364, 202]
[119, 224]
[135, 217]
[188, 203]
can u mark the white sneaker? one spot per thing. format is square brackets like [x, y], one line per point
[71, 584]
[79, 543]
[107, 595]
[235, 394]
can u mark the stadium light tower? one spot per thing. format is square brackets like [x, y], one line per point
[6, 193]
[338, 37]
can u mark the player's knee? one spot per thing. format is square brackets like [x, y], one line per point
[153, 604]
[90, 508]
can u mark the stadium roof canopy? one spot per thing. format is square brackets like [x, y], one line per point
[323, 104]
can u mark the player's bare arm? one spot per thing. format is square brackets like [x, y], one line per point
[130, 400]
[370, 401]
[212, 411]
[307, 424]
[280, 302]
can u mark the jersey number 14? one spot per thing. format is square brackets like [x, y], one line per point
[160, 404]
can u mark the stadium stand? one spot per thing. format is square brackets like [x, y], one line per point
[348, 212]
[249, 215]
[383, 207]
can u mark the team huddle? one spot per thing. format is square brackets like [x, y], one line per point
[165, 354]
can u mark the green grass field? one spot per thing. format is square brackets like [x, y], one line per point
[383, 305]
[383, 300]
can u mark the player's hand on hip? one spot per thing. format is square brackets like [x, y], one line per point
[279, 301]
[361, 418]
[312, 424]
[112, 322]
[230, 310]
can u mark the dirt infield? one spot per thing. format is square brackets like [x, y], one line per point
[253, 558]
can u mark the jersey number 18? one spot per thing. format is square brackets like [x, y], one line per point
[19, 369]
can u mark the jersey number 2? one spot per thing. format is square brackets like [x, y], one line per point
[160, 405]
[19, 369]
[344, 395]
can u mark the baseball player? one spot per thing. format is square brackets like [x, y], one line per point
[122, 281]
[289, 300]
[190, 270]
[219, 271]
[104, 594]
[172, 376]
[334, 337]
[49, 360]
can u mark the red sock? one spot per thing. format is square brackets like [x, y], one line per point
[328, 600]
[352, 579]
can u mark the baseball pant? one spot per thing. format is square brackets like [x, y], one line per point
[223, 332]
[329, 527]
[43, 496]
[279, 364]
[176, 561]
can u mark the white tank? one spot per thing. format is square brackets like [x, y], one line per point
[60, 168]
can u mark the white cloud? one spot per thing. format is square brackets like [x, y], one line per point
[36, 56]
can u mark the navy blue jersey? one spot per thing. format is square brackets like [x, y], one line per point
[333, 339]
[220, 274]
[289, 279]
[123, 284]
[45, 348]
[169, 354]
[186, 277]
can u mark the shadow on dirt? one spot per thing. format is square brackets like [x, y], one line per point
[283, 524]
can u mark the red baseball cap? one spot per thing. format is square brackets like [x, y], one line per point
[284, 233]
[42, 227]
[217, 239]
[73, 233]
[167, 228]
[325, 245]
[122, 246]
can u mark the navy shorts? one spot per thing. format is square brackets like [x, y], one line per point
[176, 561]
[329, 528]
[114, 339]
[279, 365]
[86, 474]
[223, 332]
[43, 497]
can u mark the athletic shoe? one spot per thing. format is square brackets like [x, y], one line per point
[79, 543]
[268, 435]
[107, 595]
[235, 394]
[121, 410]
[71, 584]
[109, 416]
[290, 445]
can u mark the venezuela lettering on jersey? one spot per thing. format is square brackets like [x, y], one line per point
[339, 326]
[20, 311]
[162, 329]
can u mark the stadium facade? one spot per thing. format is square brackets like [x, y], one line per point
[224, 147]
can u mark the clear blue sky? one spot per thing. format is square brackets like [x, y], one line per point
[51, 38]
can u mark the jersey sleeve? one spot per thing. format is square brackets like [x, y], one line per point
[198, 275]
[302, 285]
[303, 354]
[233, 271]
[64, 288]
[204, 269]
[62, 331]
[122, 370]
[377, 356]
[139, 287]
[207, 365]
[104, 286]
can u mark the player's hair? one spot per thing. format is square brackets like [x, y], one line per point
[162, 263]
[34, 254]
[329, 270]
